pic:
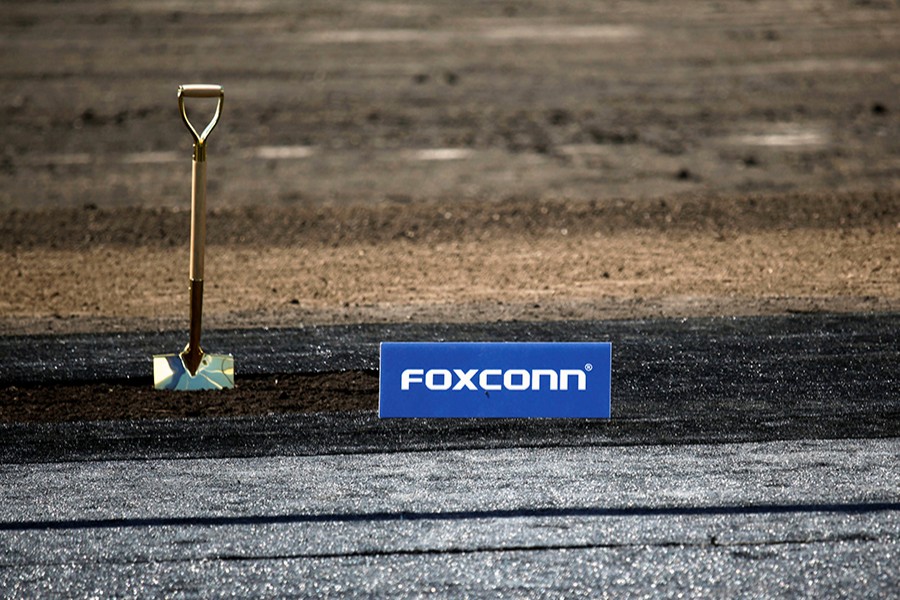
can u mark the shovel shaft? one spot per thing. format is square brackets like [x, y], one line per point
[198, 220]
[193, 354]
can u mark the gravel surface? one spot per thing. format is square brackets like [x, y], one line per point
[785, 519]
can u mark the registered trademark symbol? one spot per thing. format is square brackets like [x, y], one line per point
[589, 367]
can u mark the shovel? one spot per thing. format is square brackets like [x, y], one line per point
[194, 369]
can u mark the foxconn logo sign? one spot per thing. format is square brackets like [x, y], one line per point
[562, 380]
[493, 379]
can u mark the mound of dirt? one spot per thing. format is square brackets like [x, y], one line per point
[254, 396]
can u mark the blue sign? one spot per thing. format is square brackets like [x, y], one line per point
[502, 379]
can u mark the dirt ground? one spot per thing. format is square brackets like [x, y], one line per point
[441, 162]
[472, 262]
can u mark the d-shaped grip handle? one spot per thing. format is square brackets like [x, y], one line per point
[200, 90]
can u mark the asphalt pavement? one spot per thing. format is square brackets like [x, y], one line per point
[745, 457]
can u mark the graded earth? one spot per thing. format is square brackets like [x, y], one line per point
[447, 162]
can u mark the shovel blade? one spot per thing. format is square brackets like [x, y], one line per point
[216, 372]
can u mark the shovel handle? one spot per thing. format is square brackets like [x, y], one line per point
[193, 353]
[200, 90]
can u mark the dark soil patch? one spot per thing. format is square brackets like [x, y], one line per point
[328, 392]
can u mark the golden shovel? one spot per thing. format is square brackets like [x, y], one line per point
[194, 369]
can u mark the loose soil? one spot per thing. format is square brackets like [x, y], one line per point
[115, 269]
